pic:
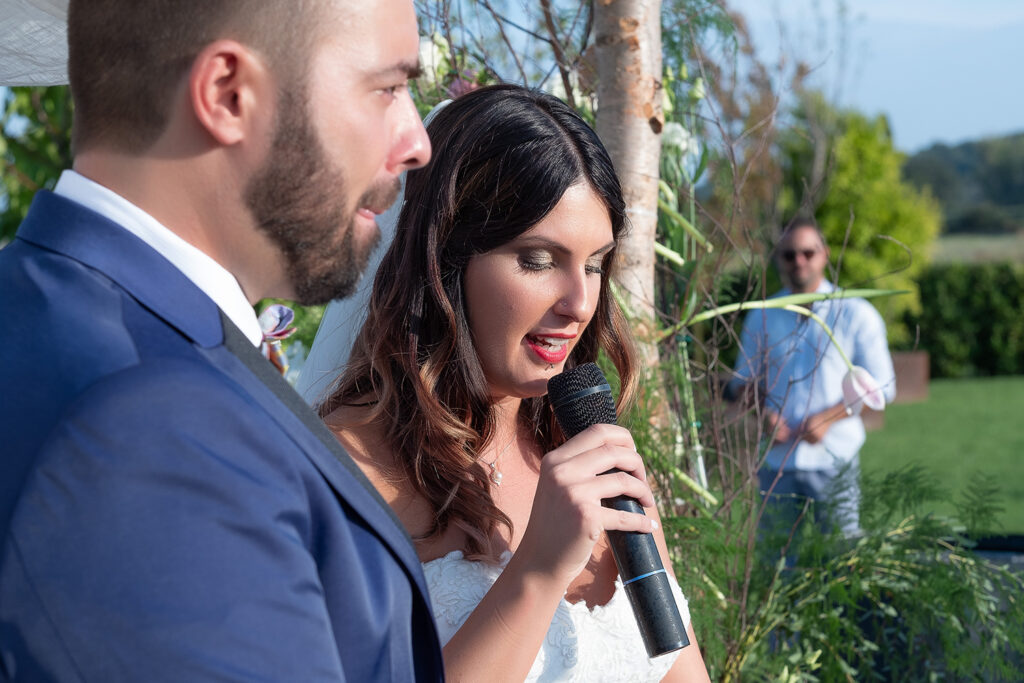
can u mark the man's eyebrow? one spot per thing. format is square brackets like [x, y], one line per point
[409, 69]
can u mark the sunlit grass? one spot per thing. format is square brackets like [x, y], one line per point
[965, 426]
[979, 249]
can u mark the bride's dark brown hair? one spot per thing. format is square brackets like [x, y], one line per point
[503, 156]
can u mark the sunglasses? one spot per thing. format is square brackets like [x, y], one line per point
[790, 254]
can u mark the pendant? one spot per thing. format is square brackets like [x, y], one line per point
[495, 475]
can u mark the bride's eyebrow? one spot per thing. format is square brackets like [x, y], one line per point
[554, 245]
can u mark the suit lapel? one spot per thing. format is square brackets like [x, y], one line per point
[267, 386]
[68, 228]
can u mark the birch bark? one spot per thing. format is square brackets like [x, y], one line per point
[629, 121]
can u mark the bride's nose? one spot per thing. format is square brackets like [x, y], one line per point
[577, 296]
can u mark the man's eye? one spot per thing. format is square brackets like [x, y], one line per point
[393, 90]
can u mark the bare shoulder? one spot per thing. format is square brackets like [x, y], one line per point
[365, 441]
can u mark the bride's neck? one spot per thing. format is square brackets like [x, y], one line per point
[506, 418]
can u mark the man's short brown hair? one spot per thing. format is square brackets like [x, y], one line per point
[126, 58]
[803, 221]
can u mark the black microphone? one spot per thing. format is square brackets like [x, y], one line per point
[582, 397]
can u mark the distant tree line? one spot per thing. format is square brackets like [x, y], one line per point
[980, 184]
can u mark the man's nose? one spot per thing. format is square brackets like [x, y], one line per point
[411, 147]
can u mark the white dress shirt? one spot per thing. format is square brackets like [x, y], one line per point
[801, 372]
[208, 275]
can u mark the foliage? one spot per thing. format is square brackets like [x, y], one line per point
[964, 425]
[878, 226]
[35, 146]
[980, 184]
[906, 600]
[803, 604]
[743, 119]
[486, 41]
[970, 319]
[983, 218]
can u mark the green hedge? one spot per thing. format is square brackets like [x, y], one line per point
[971, 320]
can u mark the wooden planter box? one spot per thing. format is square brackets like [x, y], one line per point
[912, 376]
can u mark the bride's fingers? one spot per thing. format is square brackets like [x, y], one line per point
[595, 462]
[617, 520]
[615, 484]
[593, 437]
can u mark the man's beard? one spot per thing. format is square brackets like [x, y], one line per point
[299, 200]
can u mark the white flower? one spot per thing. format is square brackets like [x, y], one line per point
[674, 135]
[556, 86]
[861, 389]
[433, 56]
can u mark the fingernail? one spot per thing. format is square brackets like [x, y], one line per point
[654, 525]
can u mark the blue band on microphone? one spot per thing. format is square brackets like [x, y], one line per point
[644, 576]
[580, 394]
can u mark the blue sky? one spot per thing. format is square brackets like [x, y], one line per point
[942, 70]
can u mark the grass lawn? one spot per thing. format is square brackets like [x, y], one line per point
[979, 248]
[966, 425]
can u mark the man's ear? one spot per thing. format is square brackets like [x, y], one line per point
[228, 87]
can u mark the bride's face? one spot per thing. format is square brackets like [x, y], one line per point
[530, 300]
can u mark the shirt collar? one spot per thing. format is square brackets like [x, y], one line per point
[824, 287]
[212, 278]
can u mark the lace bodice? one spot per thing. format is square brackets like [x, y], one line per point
[582, 644]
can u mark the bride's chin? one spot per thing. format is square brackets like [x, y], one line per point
[533, 389]
[537, 388]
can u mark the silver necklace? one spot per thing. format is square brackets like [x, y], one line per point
[495, 476]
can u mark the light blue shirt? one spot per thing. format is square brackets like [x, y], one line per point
[800, 372]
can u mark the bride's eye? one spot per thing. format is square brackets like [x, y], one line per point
[534, 261]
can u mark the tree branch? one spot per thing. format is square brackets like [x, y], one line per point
[556, 47]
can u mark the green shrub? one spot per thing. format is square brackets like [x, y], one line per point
[878, 226]
[970, 320]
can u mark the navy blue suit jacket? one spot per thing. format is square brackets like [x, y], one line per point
[169, 508]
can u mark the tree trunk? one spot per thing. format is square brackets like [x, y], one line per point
[629, 121]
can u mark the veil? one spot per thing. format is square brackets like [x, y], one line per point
[344, 317]
[33, 46]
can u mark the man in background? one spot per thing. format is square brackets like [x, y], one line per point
[788, 362]
[170, 509]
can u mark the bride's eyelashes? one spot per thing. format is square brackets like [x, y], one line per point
[538, 261]
[535, 261]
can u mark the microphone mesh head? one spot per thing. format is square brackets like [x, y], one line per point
[575, 407]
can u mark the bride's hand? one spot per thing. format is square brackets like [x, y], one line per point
[567, 518]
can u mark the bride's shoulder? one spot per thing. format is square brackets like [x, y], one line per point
[364, 440]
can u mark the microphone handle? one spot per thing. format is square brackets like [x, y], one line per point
[647, 584]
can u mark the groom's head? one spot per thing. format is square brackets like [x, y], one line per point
[286, 124]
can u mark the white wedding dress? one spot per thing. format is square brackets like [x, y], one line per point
[582, 644]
